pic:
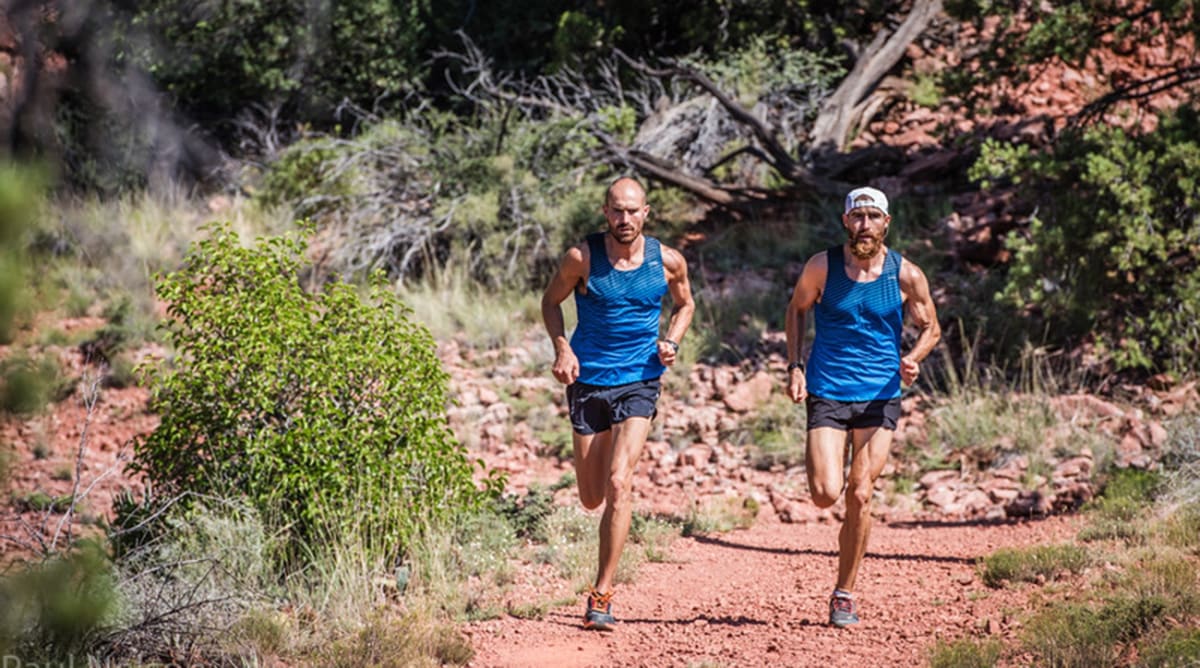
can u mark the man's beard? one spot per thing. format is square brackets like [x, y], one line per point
[865, 246]
[619, 234]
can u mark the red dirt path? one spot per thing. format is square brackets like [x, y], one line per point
[758, 598]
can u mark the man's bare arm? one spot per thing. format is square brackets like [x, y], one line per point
[571, 271]
[683, 305]
[804, 295]
[922, 314]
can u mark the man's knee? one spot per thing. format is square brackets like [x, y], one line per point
[619, 490]
[824, 500]
[823, 495]
[858, 495]
[590, 501]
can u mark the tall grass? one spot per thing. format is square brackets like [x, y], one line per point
[456, 307]
[985, 416]
[96, 255]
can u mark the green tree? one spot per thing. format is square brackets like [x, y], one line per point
[321, 408]
[217, 59]
[1112, 253]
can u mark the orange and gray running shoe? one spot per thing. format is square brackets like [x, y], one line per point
[599, 612]
[842, 611]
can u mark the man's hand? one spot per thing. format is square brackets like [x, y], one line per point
[566, 366]
[909, 370]
[667, 351]
[797, 389]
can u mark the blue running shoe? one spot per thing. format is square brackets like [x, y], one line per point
[599, 612]
[842, 611]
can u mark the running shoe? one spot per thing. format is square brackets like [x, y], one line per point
[842, 611]
[599, 612]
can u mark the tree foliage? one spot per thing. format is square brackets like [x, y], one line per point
[1111, 254]
[217, 59]
[319, 407]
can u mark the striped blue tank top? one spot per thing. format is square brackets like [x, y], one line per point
[856, 353]
[616, 338]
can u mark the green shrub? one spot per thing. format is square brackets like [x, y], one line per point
[1178, 648]
[58, 610]
[319, 408]
[1093, 635]
[1135, 485]
[1110, 254]
[1027, 564]
[965, 653]
[217, 60]
[777, 432]
[19, 191]
[527, 514]
[1182, 527]
[1127, 496]
[1071, 636]
[719, 515]
[29, 382]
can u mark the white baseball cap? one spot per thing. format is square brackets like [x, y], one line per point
[861, 197]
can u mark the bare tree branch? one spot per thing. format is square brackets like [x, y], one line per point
[1135, 91]
[842, 110]
[780, 159]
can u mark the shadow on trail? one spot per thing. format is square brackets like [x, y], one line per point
[978, 522]
[936, 558]
[570, 620]
[720, 620]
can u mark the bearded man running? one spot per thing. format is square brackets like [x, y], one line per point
[859, 293]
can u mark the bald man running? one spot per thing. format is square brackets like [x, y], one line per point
[613, 362]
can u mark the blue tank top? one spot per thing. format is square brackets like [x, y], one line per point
[616, 339]
[856, 353]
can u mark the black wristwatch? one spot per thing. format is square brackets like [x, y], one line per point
[674, 346]
[796, 365]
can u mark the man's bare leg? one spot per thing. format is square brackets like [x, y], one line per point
[593, 461]
[629, 438]
[871, 447]
[824, 461]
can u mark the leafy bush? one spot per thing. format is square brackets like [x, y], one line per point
[1091, 635]
[1175, 649]
[1028, 564]
[318, 407]
[19, 188]
[28, 382]
[1127, 496]
[54, 612]
[1112, 251]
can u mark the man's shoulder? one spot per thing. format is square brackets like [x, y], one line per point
[818, 261]
[908, 270]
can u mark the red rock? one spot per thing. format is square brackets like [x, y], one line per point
[747, 395]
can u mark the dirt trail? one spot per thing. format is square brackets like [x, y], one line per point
[757, 597]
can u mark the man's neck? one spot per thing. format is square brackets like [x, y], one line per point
[621, 251]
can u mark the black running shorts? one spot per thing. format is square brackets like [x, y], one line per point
[595, 408]
[847, 415]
